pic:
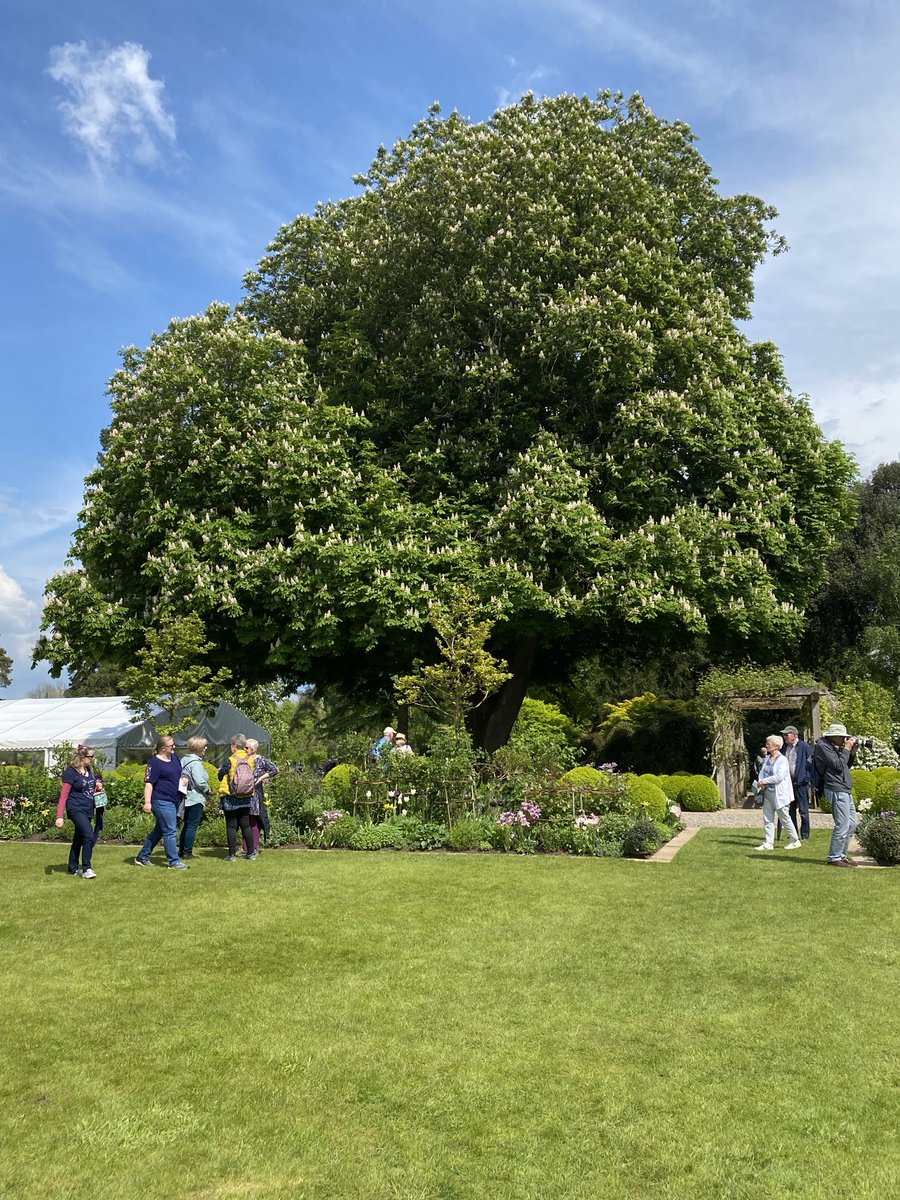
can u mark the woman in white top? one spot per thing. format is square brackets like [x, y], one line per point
[775, 784]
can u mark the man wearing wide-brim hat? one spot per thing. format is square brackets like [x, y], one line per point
[834, 755]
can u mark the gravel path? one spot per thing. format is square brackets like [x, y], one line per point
[745, 818]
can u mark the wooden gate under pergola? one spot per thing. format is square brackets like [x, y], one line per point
[730, 759]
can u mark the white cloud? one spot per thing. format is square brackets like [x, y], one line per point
[116, 109]
[18, 619]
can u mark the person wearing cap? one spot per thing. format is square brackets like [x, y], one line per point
[834, 755]
[799, 759]
[775, 784]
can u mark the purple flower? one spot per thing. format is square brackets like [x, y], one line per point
[7, 805]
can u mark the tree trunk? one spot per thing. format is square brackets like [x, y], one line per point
[491, 724]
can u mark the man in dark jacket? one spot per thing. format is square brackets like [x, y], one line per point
[799, 757]
[834, 755]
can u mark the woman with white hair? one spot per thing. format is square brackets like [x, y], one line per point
[775, 784]
[264, 770]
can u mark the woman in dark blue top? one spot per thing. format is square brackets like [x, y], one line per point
[76, 800]
[161, 797]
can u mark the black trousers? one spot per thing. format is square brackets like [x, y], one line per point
[240, 816]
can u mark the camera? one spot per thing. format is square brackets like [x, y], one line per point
[864, 743]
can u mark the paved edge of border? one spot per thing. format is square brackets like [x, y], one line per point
[667, 852]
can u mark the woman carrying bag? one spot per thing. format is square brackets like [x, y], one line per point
[76, 801]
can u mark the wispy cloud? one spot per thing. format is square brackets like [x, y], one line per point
[523, 81]
[116, 110]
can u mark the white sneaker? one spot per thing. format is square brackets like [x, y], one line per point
[794, 846]
[764, 846]
[89, 874]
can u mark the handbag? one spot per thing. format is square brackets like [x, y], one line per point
[101, 799]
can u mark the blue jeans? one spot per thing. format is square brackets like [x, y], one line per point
[800, 804]
[163, 831]
[193, 815]
[844, 812]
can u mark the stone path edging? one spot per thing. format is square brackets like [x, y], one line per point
[667, 852]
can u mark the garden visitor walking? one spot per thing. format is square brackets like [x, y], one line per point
[195, 797]
[799, 760]
[834, 755]
[161, 797]
[401, 745]
[264, 771]
[76, 801]
[775, 783]
[236, 785]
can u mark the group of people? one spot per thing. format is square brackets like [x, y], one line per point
[390, 742]
[790, 769]
[176, 791]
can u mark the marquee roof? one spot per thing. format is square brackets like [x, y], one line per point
[106, 723]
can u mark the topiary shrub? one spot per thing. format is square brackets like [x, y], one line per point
[698, 794]
[657, 779]
[879, 835]
[642, 839]
[646, 797]
[864, 785]
[671, 785]
[887, 788]
[337, 786]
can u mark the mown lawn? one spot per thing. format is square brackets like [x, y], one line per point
[446, 1026]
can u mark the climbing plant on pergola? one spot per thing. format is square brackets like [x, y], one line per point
[726, 696]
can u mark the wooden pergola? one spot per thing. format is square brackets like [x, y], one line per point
[731, 760]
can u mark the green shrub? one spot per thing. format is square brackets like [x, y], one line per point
[282, 832]
[582, 777]
[555, 836]
[864, 784]
[52, 834]
[470, 833]
[656, 779]
[642, 839]
[124, 791]
[824, 804]
[337, 786]
[887, 788]
[646, 797]
[29, 783]
[117, 823]
[212, 832]
[335, 833]
[698, 793]
[129, 770]
[377, 837]
[879, 835]
[297, 796]
[671, 785]
[611, 834]
[416, 834]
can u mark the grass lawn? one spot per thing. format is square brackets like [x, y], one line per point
[427, 1027]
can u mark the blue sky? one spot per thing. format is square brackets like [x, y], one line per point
[149, 153]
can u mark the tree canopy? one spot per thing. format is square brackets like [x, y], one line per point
[511, 361]
[5, 669]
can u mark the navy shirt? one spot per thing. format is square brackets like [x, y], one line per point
[82, 793]
[164, 776]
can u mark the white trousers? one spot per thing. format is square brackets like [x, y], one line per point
[771, 814]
